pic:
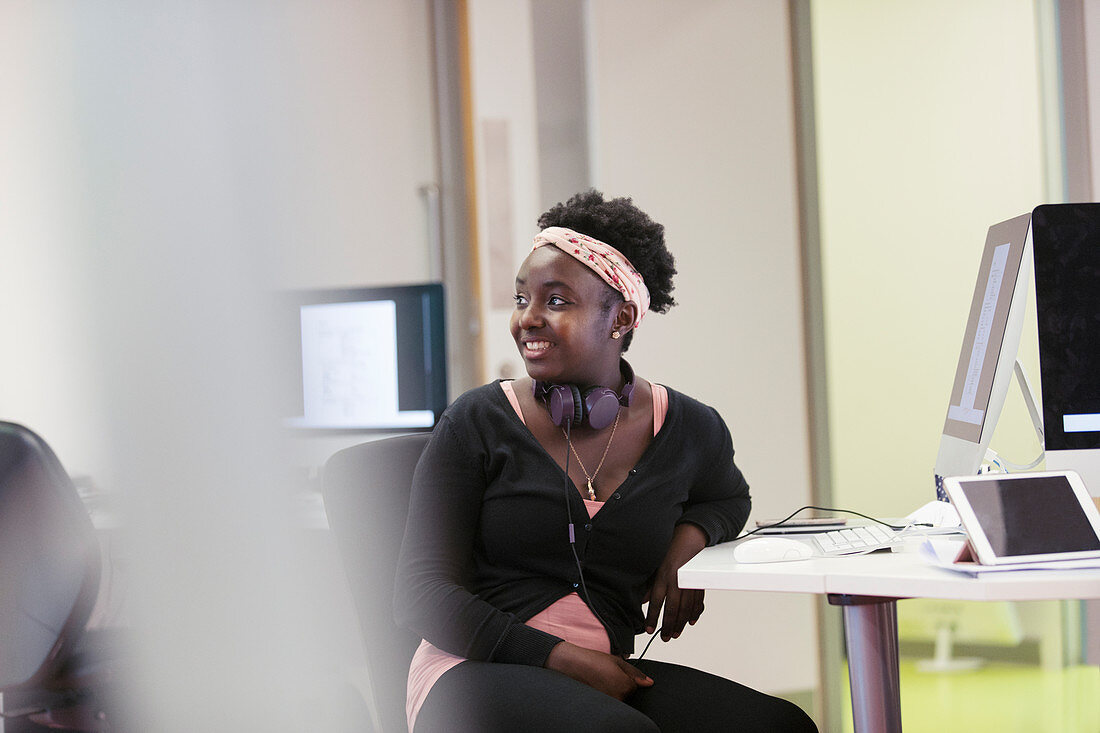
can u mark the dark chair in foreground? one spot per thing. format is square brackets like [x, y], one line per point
[49, 579]
[366, 491]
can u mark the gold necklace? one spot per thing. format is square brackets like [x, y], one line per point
[591, 487]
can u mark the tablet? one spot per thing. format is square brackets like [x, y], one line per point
[799, 525]
[1026, 517]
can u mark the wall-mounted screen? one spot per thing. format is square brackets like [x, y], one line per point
[368, 358]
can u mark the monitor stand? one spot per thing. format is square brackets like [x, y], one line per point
[961, 454]
[1084, 462]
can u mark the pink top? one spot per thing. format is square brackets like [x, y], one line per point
[568, 617]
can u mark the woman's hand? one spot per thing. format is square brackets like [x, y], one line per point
[609, 674]
[681, 606]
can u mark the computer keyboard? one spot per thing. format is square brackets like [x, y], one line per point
[855, 539]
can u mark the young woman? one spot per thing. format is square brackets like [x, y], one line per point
[547, 510]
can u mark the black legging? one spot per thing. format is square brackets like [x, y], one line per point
[483, 697]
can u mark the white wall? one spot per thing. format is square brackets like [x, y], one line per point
[928, 131]
[692, 110]
[354, 127]
[47, 377]
[502, 70]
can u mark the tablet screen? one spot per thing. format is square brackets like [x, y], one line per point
[1030, 515]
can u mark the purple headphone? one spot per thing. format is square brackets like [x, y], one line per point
[569, 405]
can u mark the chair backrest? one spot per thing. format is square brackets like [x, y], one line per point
[49, 561]
[366, 491]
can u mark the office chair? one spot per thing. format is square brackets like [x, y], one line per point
[49, 579]
[366, 492]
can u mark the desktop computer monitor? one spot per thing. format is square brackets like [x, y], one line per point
[1067, 306]
[988, 352]
[366, 359]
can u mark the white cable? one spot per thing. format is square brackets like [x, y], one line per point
[1008, 466]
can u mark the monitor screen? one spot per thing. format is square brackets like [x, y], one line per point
[1067, 307]
[367, 358]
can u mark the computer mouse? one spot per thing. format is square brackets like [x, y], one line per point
[772, 549]
[936, 514]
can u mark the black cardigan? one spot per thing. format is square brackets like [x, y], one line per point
[486, 545]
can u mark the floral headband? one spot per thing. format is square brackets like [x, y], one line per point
[603, 259]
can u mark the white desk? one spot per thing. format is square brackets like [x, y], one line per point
[868, 587]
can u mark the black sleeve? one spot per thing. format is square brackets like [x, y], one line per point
[718, 500]
[436, 555]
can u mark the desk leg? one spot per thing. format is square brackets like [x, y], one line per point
[871, 637]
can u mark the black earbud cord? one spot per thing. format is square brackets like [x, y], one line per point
[572, 533]
[572, 547]
[792, 515]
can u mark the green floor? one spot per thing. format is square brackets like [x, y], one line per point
[1007, 698]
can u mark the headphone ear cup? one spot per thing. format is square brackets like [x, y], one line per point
[566, 407]
[600, 405]
[578, 405]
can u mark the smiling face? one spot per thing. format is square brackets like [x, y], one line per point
[561, 324]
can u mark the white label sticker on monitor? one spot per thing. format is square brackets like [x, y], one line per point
[1084, 423]
[965, 410]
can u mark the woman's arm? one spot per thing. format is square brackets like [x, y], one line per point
[718, 499]
[436, 554]
[718, 506]
[681, 605]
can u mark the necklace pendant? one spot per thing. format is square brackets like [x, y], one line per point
[591, 490]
